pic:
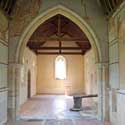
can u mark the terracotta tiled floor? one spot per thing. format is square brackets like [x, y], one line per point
[54, 110]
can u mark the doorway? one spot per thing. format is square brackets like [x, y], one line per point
[29, 84]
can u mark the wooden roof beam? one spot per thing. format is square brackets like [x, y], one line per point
[57, 53]
[57, 48]
[61, 39]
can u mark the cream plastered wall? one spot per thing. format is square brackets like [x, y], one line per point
[91, 86]
[29, 65]
[46, 82]
[3, 67]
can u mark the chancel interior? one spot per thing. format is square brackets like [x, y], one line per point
[62, 62]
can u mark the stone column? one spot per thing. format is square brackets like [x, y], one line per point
[11, 92]
[100, 97]
[15, 77]
[103, 94]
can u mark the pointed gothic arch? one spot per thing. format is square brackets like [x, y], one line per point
[41, 18]
[81, 23]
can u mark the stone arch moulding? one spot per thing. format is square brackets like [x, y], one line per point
[79, 21]
[42, 17]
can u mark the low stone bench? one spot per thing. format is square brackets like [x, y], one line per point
[78, 101]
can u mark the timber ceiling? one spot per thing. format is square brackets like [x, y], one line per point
[7, 6]
[110, 6]
[59, 35]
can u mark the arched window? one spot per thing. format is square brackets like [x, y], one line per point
[60, 68]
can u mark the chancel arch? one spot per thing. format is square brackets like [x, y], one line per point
[84, 26]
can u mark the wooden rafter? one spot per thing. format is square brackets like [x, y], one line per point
[7, 5]
[80, 47]
[57, 48]
[110, 5]
[57, 53]
[58, 39]
[59, 29]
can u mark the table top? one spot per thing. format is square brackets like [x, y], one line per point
[85, 96]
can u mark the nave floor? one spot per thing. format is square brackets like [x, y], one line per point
[61, 122]
[55, 110]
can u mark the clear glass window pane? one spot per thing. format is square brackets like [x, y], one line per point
[60, 68]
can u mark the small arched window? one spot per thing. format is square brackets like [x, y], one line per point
[60, 68]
